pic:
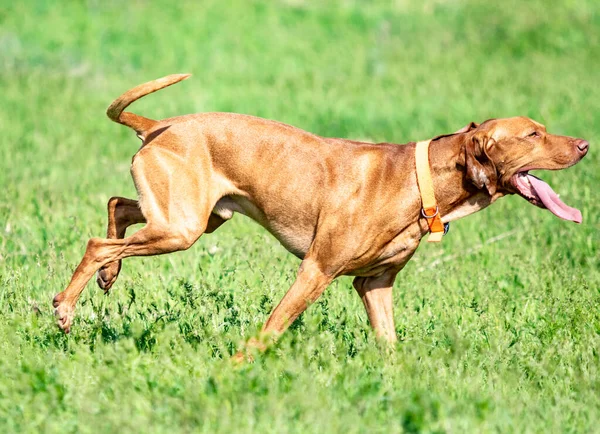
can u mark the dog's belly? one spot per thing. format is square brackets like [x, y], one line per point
[296, 239]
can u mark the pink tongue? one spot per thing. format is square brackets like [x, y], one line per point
[551, 201]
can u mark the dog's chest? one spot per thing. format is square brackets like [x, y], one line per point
[382, 256]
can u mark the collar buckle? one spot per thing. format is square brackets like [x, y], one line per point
[424, 214]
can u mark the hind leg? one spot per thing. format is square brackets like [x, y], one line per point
[122, 213]
[175, 212]
[151, 240]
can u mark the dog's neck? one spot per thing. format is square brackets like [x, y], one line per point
[457, 197]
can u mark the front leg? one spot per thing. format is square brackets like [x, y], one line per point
[376, 295]
[308, 287]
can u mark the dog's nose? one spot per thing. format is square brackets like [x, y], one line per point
[582, 146]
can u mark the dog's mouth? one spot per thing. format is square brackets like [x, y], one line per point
[537, 192]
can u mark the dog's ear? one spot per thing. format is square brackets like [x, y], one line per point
[480, 169]
[467, 128]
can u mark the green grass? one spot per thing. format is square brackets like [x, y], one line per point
[498, 336]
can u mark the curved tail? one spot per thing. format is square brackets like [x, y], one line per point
[139, 123]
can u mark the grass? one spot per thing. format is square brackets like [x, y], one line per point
[499, 328]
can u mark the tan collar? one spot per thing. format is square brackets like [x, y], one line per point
[430, 208]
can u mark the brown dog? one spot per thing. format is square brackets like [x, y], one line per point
[343, 207]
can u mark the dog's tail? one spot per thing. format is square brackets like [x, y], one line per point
[139, 123]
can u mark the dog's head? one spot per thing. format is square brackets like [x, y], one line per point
[499, 153]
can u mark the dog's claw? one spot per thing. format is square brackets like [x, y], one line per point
[64, 324]
[103, 284]
[106, 277]
[63, 313]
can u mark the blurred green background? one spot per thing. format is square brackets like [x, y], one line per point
[498, 327]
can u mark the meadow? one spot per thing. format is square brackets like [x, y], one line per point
[498, 326]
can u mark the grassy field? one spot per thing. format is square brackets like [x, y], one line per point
[499, 327]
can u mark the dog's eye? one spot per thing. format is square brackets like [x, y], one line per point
[534, 134]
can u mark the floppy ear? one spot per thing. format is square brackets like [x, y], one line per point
[467, 128]
[480, 169]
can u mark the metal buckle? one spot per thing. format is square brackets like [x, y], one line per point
[430, 216]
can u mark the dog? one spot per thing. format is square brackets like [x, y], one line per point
[343, 207]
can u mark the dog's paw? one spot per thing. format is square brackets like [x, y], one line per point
[107, 275]
[63, 313]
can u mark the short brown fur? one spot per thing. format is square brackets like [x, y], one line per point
[343, 207]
